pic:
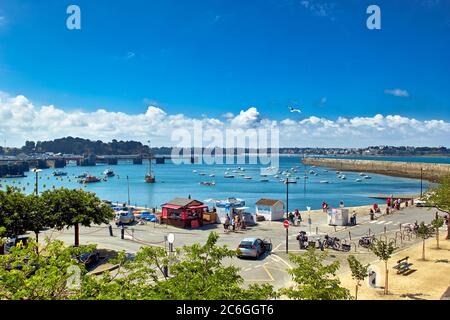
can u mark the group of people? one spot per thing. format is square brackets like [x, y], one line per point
[234, 221]
[393, 204]
[295, 218]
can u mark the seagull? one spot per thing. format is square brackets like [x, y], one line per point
[295, 110]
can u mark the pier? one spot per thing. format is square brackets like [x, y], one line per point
[416, 170]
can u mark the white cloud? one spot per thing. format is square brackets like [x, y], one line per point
[397, 93]
[22, 120]
[246, 118]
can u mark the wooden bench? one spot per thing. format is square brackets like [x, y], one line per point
[403, 265]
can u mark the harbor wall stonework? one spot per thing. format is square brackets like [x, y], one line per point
[431, 171]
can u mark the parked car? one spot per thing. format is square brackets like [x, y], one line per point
[253, 248]
[420, 203]
[124, 217]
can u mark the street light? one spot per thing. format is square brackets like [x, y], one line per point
[36, 170]
[128, 186]
[287, 182]
[421, 183]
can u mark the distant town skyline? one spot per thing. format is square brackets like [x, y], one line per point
[140, 70]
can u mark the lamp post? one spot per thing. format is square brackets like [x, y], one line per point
[36, 171]
[421, 183]
[128, 186]
[287, 182]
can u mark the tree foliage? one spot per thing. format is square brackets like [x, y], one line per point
[359, 272]
[314, 279]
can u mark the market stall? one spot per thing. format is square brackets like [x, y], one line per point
[183, 213]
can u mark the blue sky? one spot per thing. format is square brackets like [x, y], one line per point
[207, 58]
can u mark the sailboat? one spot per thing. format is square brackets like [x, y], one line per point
[149, 177]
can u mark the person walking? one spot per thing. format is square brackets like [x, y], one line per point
[233, 224]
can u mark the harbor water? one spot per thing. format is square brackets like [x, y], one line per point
[184, 180]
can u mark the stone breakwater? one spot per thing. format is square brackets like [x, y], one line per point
[431, 171]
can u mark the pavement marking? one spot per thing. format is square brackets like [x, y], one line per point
[268, 273]
[381, 222]
[372, 222]
[278, 246]
[389, 222]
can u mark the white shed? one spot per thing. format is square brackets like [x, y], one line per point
[271, 210]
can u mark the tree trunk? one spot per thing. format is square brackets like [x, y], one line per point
[37, 242]
[386, 280]
[423, 249]
[437, 237]
[77, 235]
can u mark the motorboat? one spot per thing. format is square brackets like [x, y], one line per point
[109, 173]
[324, 182]
[358, 180]
[229, 176]
[90, 179]
[264, 180]
[248, 178]
[59, 173]
[83, 175]
[208, 184]
[212, 175]
[367, 177]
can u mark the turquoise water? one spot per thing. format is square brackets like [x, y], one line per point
[180, 181]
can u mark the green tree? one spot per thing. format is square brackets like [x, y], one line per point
[383, 250]
[424, 232]
[70, 208]
[440, 198]
[437, 224]
[359, 272]
[25, 275]
[14, 208]
[314, 280]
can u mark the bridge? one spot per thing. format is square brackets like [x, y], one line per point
[18, 165]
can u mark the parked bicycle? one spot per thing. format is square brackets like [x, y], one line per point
[366, 242]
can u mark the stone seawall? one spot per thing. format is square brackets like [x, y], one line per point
[431, 171]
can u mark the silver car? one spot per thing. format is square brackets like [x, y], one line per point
[124, 217]
[253, 248]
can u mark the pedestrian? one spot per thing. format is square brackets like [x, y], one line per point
[354, 218]
[233, 224]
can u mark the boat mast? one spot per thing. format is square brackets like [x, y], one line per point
[150, 159]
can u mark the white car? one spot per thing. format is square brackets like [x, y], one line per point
[420, 203]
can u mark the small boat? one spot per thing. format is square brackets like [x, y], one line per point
[109, 173]
[325, 170]
[90, 179]
[248, 178]
[367, 177]
[276, 176]
[212, 175]
[194, 171]
[362, 174]
[343, 177]
[83, 175]
[228, 176]
[338, 172]
[324, 182]
[264, 180]
[59, 173]
[358, 180]
[208, 184]
[202, 174]
[316, 174]
[263, 176]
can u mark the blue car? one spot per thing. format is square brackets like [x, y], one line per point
[253, 248]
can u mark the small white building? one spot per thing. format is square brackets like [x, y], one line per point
[271, 210]
[338, 217]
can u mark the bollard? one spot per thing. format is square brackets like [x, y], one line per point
[385, 229]
[369, 232]
[132, 233]
[122, 232]
[350, 235]
[317, 230]
[110, 231]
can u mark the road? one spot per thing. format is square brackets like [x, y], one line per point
[271, 268]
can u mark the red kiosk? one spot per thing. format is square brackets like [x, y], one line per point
[183, 213]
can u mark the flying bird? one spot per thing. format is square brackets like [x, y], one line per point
[295, 110]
